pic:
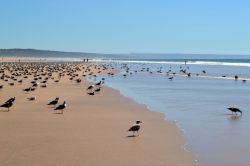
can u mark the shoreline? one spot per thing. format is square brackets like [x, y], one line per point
[33, 137]
[164, 118]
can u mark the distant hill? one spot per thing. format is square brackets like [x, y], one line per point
[53, 54]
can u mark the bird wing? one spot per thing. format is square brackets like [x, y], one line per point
[233, 109]
[135, 127]
[60, 107]
[7, 104]
[52, 102]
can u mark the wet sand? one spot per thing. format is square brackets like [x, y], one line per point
[91, 131]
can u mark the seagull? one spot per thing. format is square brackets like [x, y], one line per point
[98, 89]
[54, 102]
[27, 89]
[35, 84]
[32, 98]
[235, 110]
[99, 83]
[8, 103]
[78, 80]
[91, 93]
[135, 128]
[90, 87]
[61, 107]
[11, 100]
[170, 78]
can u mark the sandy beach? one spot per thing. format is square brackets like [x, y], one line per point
[91, 131]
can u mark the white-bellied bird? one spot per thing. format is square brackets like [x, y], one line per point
[61, 107]
[135, 127]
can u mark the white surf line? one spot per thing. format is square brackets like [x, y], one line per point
[203, 76]
[220, 77]
[192, 62]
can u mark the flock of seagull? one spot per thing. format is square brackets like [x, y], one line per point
[183, 71]
[41, 73]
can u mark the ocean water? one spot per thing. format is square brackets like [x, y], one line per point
[198, 104]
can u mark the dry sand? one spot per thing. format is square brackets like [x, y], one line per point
[91, 132]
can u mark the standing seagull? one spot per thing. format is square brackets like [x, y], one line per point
[99, 83]
[54, 102]
[61, 107]
[135, 128]
[235, 110]
[11, 100]
[32, 98]
[91, 93]
[8, 103]
[90, 87]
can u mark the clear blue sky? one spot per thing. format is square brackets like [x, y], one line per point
[125, 26]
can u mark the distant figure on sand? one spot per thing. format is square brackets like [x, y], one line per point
[135, 128]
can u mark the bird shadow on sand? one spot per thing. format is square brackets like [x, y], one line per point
[56, 113]
[132, 136]
[4, 111]
[51, 107]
